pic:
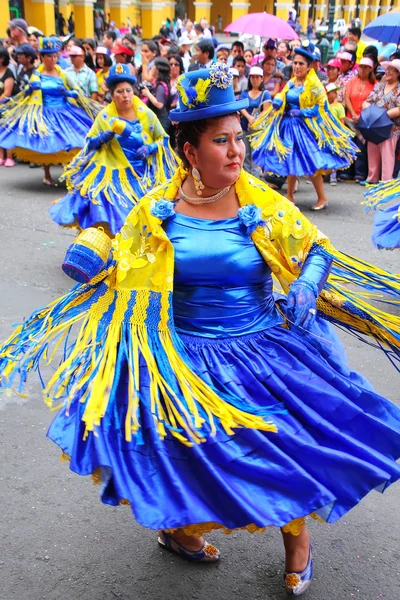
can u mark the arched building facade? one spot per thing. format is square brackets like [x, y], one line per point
[151, 13]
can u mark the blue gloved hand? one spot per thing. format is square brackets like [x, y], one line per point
[295, 112]
[146, 150]
[35, 85]
[94, 143]
[277, 103]
[304, 291]
[309, 113]
[72, 93]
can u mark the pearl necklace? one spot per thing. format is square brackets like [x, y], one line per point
[208, 200]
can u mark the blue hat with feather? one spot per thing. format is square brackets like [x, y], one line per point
[49, 45]
[206, 93]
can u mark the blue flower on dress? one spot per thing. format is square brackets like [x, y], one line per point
[163, 209]
[250, 216]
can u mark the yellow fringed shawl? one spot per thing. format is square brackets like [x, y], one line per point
[327, 130]
[112, 162]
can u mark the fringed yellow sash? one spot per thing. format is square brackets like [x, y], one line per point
[111, 161]
[125, 317]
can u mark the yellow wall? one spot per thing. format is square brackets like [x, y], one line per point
[40, 15]
[151, 19]
[83, 18]
[239, 9]
[119, 14]
[202, 10]
[4, 17]
[304, 12]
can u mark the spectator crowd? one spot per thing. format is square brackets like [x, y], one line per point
[360, 74]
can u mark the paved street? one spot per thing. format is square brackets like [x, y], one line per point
[58, 542]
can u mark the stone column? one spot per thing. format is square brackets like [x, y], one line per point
[152, 17]
[119, 11]
[282, 9]
[83, 18]
[239, 8]
[202, 11]
[304, 15]
[40, 14]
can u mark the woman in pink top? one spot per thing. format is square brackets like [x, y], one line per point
[356, 92]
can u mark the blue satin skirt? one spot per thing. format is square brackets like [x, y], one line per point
[386, 231]
[305, 157]
[67, 127]
[111, 209]
[337, 441]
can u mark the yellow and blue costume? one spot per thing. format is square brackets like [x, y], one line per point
[188, 394]
[109, 176]
[47, 123]
[298, 135]
[386, 230]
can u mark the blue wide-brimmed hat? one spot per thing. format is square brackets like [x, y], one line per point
[49, 45]
[118, 73]
[206, 93]
[307, 50]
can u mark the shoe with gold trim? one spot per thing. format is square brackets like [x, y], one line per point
[207, 553]
[297, 583]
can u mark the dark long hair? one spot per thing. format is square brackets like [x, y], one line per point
[163, 70]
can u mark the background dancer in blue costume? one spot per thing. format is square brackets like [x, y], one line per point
[188, 393]
[386, 230]
[298, 136]
[126, 154]
[47, 123]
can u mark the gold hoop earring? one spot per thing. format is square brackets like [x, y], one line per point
[198, 184]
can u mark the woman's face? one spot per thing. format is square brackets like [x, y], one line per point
[220, 154]
[128, 44]
[69, 45]
[100, 60]
[34, 42]
[122, 96]
[364, 71]
[255, 81]
[268, 67]
[164, 50]
[175, 68]
[300, 66]
[333, 73]
[295, 44]
[89, 49]
[147, 52]
[391, 75]
[248, 56]
[153, 72]
[222, 56]
[282, 50]
[49, 60]
[121, 59]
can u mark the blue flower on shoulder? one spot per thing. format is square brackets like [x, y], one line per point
[250, 216]
[163, 209]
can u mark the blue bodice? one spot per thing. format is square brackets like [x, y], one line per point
[129, 146]
[293, 97]
[51, 91]
[222, 285]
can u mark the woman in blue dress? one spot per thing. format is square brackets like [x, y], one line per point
[47, 123]
[189, 393]
[257, 98]
[298, 136]
[386, 230]
[126, 154]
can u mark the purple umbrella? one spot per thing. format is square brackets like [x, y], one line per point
[264, 25]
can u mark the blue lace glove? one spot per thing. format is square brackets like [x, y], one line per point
[146, 150]
[71, 93]
[295, 112]
[35, 85]
[303, 294]
[277, 103]
[94, 143]
[308, 113]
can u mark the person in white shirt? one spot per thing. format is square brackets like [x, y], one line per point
[184, 46]
[206, 32]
